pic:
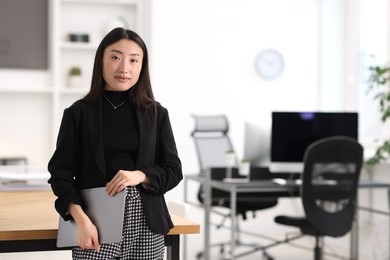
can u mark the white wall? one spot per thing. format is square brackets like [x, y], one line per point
[373, 49]
[203, 55]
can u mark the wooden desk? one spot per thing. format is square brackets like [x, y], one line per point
[29, 222]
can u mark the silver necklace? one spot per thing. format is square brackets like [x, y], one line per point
[115, 107]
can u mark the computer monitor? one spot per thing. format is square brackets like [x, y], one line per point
[293, 132]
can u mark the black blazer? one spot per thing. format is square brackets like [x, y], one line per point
[78, 161]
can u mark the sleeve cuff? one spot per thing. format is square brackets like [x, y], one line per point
[148, 187]
[62, 205]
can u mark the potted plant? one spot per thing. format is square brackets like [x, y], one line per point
[75, 77]
[379, 81]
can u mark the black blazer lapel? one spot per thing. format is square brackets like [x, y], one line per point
[148, 141]
[95, 132]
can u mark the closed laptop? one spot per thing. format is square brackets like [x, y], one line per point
[105, 212]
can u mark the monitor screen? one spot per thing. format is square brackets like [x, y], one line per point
[293, 132]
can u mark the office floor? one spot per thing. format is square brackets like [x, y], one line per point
[373, 238]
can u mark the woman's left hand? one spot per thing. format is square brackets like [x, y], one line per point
[123, 179]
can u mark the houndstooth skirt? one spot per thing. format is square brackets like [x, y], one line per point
[138, 241]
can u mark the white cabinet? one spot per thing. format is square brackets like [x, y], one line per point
[32, 102]
[93, 19]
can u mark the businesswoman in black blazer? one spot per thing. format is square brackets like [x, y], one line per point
[119, 137]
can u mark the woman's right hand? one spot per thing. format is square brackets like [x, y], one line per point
[87, 237]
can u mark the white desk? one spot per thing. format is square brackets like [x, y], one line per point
[23, 179]
[12, 176]
[266, 186]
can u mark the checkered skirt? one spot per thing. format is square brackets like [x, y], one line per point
[138, 241]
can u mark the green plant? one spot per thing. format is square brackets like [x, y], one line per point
[73, 71]
[379, 81]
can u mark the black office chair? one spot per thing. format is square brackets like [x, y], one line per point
[329, 188]
[212, 141]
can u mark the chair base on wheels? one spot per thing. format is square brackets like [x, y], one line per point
[226, 255]
[250, 247]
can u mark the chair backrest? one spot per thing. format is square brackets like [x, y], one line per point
[329, 184]
[211, 141]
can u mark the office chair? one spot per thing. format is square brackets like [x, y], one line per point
[329, 188]
[212, 141]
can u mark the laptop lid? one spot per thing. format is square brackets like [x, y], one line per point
[105, 212]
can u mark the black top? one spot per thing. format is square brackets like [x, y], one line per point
[120, 132]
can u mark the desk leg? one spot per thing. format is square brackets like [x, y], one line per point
[172, 242]
[233, 208]
[184, 245]
[388, 201]
[354, 244]
[207, 208]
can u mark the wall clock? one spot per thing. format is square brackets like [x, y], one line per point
[269, 64]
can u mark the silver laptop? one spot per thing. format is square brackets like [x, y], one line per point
[105, 212]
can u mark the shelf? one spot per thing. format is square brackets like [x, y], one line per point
[78, 46]
[109, 2]
[40, 90]
[74, 90]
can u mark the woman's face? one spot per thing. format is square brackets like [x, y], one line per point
[122, 64]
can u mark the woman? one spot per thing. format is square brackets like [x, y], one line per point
[118, 136]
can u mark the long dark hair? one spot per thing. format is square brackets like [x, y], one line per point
[141, 93]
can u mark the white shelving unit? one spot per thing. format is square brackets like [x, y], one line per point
[39, 97]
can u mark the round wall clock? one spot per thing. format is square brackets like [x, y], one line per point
[269, 64]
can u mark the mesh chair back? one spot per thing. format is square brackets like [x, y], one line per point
[330, 179]
[211, 141]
